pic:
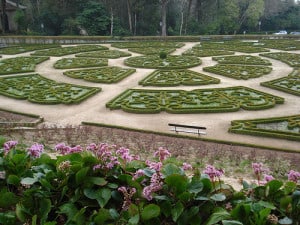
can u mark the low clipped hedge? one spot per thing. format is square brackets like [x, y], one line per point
[152, 50]
[283, 44]
[291, 59]
[155, 62]
[17, 49]
[108, 75]
[38, 89]
[196, 101]
[70, 63]
[147, 44]
[289, 84]
[206, 52]
[242, 59]
[169, 78]
[22, 64]
[240, 72]
[286, 127]
[111, 54]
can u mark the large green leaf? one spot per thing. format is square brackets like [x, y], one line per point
[177, 211]
[81, 175]
[7, 218]
[170, 169]
[14, 180]
[7, 199]
[218, 197]
[231, 222]
[195, 186]
[100, 181]
[29, 181]
[285, 221]
[150, 211]
[219, 215]
[134, 220]
[177, 183]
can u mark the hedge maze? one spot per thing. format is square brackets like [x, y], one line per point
[291, 59]
[287, 127]
[22, 64]
[196, 101]
[69, 63]
[38, 89]
[17, 49]
[167, 78]
[110, 54]
[289, 84]
[106, 75]
[155, 62]
[68, 50]
[242, 59]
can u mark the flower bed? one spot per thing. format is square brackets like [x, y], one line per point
[104, 184]
[287, 127]
[70, 63]
[111, 54]
[69, 50]
[242, 59]
[152, 50]
[291, 59]
[196, 101]
[38, 89]
[101, 75]
[167, 78]
[21, 64]
[283, 44]
[289, 84]
[206, 52]
[239, 72]
[145, 44]
[12, 50]
[155, 62]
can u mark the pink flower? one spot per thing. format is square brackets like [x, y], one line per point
[258, 168]
[36, 150]
[187, 166]
[156, 184]
[8, 146]
[162, 154]
[293, 176]
[128, 194]
[154, 165]
[138, 173]
[212, 172]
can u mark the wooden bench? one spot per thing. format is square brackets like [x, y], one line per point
[187, 129]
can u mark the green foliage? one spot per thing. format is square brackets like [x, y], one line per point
[70, 63]
[204, 101]
[291, 59]
[17, 49]
[38, 89]
[147, 44]
[242, 59]
[111, 54]
[162, 55]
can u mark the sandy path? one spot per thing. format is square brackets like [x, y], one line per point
[94, 110]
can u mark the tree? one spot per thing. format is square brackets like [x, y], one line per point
[3, 16]
[163, 4]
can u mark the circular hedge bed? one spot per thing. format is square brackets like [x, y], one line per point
[69, 63]
[155, 62]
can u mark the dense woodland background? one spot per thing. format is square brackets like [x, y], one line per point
[156, 17]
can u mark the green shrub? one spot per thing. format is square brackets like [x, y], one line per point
[162, 55]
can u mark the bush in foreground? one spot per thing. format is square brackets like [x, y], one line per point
[104, 184]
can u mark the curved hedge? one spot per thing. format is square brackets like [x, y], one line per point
[38, 89]
[69, 63]
[196, 101]
[17, 49]
[152, 50]
[287, 127]
[101, 75]
[111, 54]
[155, 62]
[291, 59]
[206, 52]
[168, 78]
[147, 44]
[242, 59]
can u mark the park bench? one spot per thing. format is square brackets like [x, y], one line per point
[187, 129]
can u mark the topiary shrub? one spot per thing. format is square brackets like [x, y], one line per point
[162, 55]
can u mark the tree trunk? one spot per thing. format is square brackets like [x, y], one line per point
[129, 16]
[164, 17]
[3, 15]
[135, 22]
[111, 22]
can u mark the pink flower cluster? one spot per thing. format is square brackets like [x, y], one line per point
[162, 154]
[124, 154]
[127, 193]
[293, 176]
[64, 149]
[7, 146]
[259, 171]
[212, 172]
[35, 150]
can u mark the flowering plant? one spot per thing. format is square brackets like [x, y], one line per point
[105, 184]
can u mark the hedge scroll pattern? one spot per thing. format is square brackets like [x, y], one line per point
[283, 44]
[277, 127]
[13, 50]
[151, 50]
[69, 50]
[167, 78]
[240, 72]
[242, 59]
[206, 52]
[289, 84]
[69, 63]
[106, 75]
[145, 44]
[38, 89]
[110, 54]
[21, 64]
[291, 59]
[155, 62]
[196, 101]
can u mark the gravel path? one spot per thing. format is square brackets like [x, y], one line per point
[94, 110]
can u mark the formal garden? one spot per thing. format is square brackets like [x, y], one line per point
[64, 182]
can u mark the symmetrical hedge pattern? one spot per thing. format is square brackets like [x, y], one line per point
[38, 89]
[12, 50]
[206, 52]
[69, 50]
[146, 44]
[166, 78]
[277, 127]
[152, 50]
[289, 84]
[240, 72]
[155, 62]
[69, 63]
[291, 59]
[196, 101]
[22, 64]
[242, 59]
[101, 75]
[110, 54]
[283, 44]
